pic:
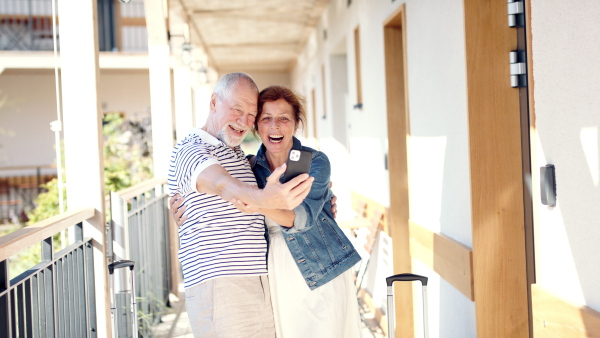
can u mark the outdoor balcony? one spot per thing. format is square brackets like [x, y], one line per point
[73, 249]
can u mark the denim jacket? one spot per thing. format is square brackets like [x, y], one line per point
[319, 247]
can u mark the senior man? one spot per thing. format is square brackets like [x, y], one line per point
[222, 250]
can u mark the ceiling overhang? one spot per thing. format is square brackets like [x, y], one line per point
[252, 35]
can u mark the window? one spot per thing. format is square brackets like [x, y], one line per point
[358, 74]
[324, 92]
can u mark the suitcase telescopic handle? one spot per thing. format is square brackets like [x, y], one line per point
[119, 265]
[406, 277]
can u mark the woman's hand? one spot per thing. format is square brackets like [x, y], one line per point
[243, 207]
[177, 209]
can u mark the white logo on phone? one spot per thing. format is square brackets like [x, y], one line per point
[294, 155]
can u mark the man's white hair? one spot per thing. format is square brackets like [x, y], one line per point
[223, 87]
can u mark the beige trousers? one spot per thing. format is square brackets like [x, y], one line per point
[231, 307]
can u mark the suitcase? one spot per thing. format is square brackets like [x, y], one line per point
[113, 304]
[404, 277]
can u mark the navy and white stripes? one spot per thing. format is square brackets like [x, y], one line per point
[216, 239]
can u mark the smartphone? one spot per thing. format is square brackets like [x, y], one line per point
[298, 162]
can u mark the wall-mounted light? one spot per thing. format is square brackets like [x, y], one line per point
[125, 1]
[186, 53]
[548, 185]
[202, 74]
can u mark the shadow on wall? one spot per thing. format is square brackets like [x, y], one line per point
[572, 146]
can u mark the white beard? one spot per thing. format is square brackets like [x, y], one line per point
[230, 140]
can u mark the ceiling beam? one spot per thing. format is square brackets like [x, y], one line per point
[289, 18]
[276, 45]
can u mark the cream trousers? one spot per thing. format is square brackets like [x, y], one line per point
[235, 306]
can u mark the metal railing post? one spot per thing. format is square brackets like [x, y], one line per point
[5, 314]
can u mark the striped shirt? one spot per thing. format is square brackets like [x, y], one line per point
[216, 239]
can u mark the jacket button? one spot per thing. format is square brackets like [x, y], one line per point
[313, 283]
[301, 260]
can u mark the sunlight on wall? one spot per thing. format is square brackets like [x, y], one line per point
[341, 175]
[556, 268]
[369, 175]
[426, 171]
[589, 144]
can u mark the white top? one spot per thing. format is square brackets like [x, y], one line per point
[216, 239]
[329, 311]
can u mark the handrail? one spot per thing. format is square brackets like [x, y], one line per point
[26, 167]
[140, 188]
[14, 242]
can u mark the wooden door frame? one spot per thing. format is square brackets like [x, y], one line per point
[394, 29]
[499, 252]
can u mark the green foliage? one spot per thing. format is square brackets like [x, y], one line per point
[127, 158]
[152, 308]
[127, 162]
[47, 203]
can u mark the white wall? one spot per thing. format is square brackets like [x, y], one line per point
[566, 59]
[27, 113]
[438, 148]
[31, 106]
[126, 91]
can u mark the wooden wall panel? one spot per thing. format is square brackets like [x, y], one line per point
[452, 260]
[394, 31]
[554, 317]
[499, 258]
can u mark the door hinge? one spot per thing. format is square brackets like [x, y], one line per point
[518, 69]
[516, 13]
[109, 241]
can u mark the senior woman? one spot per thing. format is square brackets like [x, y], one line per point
[310, 258]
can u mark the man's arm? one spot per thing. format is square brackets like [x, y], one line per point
[216, 180]
[282, 217]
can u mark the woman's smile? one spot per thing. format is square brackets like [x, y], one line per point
[275, 138]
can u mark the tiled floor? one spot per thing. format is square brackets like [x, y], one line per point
[175, 323]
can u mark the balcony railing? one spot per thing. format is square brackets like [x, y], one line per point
[27, 25]
[140, 233]
[55, 297]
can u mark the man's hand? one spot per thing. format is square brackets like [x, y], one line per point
[177, 209]
[334, 206]
[277, 195]
[333, 200]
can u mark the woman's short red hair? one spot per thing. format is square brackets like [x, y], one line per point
[274, 93]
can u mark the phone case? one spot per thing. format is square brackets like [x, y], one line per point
[298, 162]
